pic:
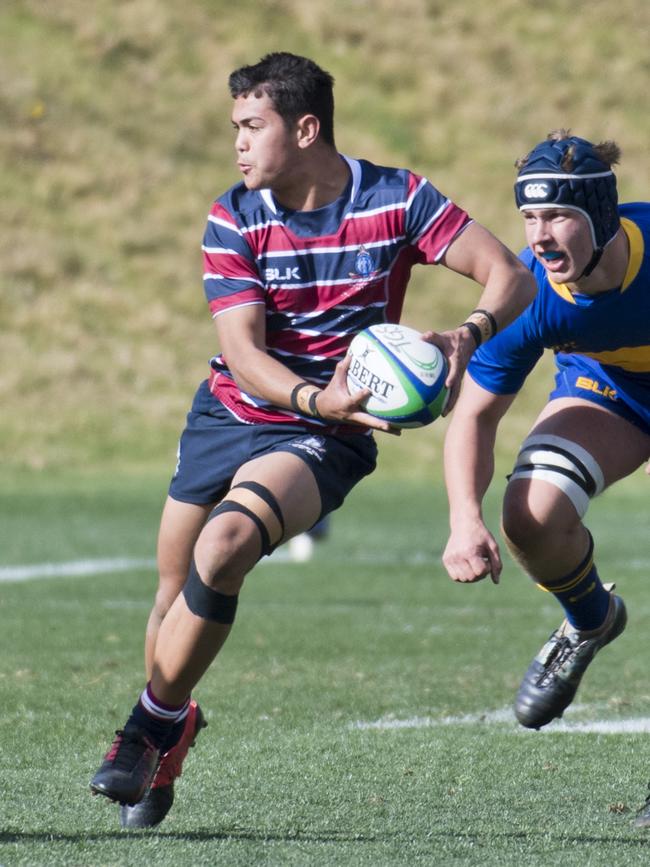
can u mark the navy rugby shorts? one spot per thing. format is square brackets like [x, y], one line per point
[214, 445]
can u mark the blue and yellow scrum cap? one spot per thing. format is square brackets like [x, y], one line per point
[569, 173]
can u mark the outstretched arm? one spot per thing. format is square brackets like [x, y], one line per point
[472, 552]
[508, 288]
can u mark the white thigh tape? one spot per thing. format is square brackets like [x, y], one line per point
[562, 463]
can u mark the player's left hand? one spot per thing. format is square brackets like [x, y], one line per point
[457, 347]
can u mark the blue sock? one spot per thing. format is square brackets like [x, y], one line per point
[582, 595]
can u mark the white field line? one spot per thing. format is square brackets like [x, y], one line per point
[74, 568]
[90, 568]
[505, 715]
[638, 725]
[505, 719]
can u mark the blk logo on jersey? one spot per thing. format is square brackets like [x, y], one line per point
[281, 275]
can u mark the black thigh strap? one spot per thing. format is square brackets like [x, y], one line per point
[233, 506]
[264, 494]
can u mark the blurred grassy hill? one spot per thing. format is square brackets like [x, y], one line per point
[115, 138]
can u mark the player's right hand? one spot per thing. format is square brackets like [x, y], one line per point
[335, 403]
[472, 553]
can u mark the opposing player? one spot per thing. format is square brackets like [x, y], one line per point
[307, 250]
[590, 261]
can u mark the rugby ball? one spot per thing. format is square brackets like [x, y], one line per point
[405, 375]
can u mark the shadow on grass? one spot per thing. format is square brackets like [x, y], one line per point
[642, 840]
[196, 836]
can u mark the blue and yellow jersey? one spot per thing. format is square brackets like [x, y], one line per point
[605, 337]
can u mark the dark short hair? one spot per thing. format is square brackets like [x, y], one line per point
[295, 85]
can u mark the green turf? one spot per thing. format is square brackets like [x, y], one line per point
[299, 764]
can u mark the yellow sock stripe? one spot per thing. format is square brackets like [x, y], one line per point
[584, 593]
[573, 582]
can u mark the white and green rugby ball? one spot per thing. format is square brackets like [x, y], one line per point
[405, 375]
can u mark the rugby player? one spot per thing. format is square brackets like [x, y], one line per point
[309, 248]
[589, 256]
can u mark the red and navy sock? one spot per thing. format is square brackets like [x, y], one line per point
[582, 595]
[175, 734]
[160, 721]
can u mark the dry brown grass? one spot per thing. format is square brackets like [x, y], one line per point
[116, 137]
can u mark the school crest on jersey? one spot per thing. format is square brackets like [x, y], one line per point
[364, 267]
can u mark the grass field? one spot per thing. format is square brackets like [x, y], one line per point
[361, 712]
[359, 715]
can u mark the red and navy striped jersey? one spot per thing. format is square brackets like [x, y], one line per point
[322, 275]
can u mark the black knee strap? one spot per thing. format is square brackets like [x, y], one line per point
[264, 494]
[206, 602]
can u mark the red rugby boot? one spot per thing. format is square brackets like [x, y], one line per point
[157, 802]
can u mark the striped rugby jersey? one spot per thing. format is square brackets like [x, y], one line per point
[323, 275]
